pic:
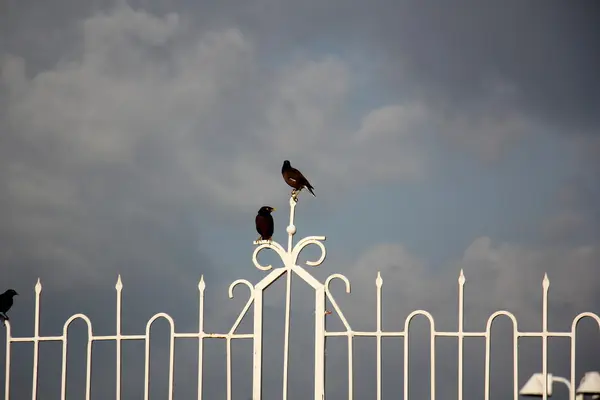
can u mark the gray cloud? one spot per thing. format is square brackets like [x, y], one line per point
[125, 131]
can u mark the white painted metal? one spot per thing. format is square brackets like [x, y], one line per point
[535, 387]
[289, 259]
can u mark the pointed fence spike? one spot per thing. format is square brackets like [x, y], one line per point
[461, 277]
[38, 286]
[201, 284]
[546, 281]
[119, 284]
[379, 280]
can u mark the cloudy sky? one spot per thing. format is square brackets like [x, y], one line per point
[141, 138]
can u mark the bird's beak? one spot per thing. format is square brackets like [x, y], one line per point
[274, 209]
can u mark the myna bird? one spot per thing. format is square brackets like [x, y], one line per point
[6, 302]
[264, 223]
[295, 179]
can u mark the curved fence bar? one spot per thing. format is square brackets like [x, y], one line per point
[88, 375]
[488, 345]
[147, 353]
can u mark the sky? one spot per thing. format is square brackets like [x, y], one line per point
[140, 138]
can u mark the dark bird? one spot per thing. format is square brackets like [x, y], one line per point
[6, 302]
[295, 179]
[264, 223]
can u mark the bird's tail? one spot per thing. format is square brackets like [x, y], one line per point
[310, 189]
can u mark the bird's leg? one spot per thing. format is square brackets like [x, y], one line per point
[295, 195]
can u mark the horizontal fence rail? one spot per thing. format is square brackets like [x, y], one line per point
[322, 293]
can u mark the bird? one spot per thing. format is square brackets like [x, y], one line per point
[6, 302]
[264, 223]
[295, 179]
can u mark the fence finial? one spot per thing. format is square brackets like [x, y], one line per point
[461, 277]
[546, 281]
[38, 286]
[201, 284]
[379, 280]
[119, 284]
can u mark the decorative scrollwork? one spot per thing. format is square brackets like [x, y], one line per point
[246, 307]
[289, 256]
[269, 245]
[332, 299]
[337, 276]
[238, 282]
[316, 240]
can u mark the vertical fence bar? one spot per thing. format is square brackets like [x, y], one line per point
[257, 345]
[379, 284]
[201, 288]
[7, 362]
[63, 375]
[228, 377]
[405, 364]
[147, 362]
[36, 338]
[486, 375]
[119, 289]
[545, 286]
[432, 357]
[461, 316]
[573, 355]
[291, 229]
[171, 360]
[350, 366]
[88, 367]
[286, 339]
[515, 360]
[320, 343]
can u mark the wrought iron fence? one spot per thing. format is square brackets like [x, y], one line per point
[322, 292]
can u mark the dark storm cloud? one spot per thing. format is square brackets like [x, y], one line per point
[76, 209]
[544, 53]
[546, 49]
[541, 56]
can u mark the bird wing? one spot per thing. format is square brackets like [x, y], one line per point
[264, 225]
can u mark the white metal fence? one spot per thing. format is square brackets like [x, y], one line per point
[322, 293]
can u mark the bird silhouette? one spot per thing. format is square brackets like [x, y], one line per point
[6, 302]
[295, 179]
[265, 225]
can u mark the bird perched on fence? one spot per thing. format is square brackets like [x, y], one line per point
[6, 302]
[295, 179]
[264, 223]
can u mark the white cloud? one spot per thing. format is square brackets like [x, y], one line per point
[148, 118]
[204, 109]
[499, 276]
